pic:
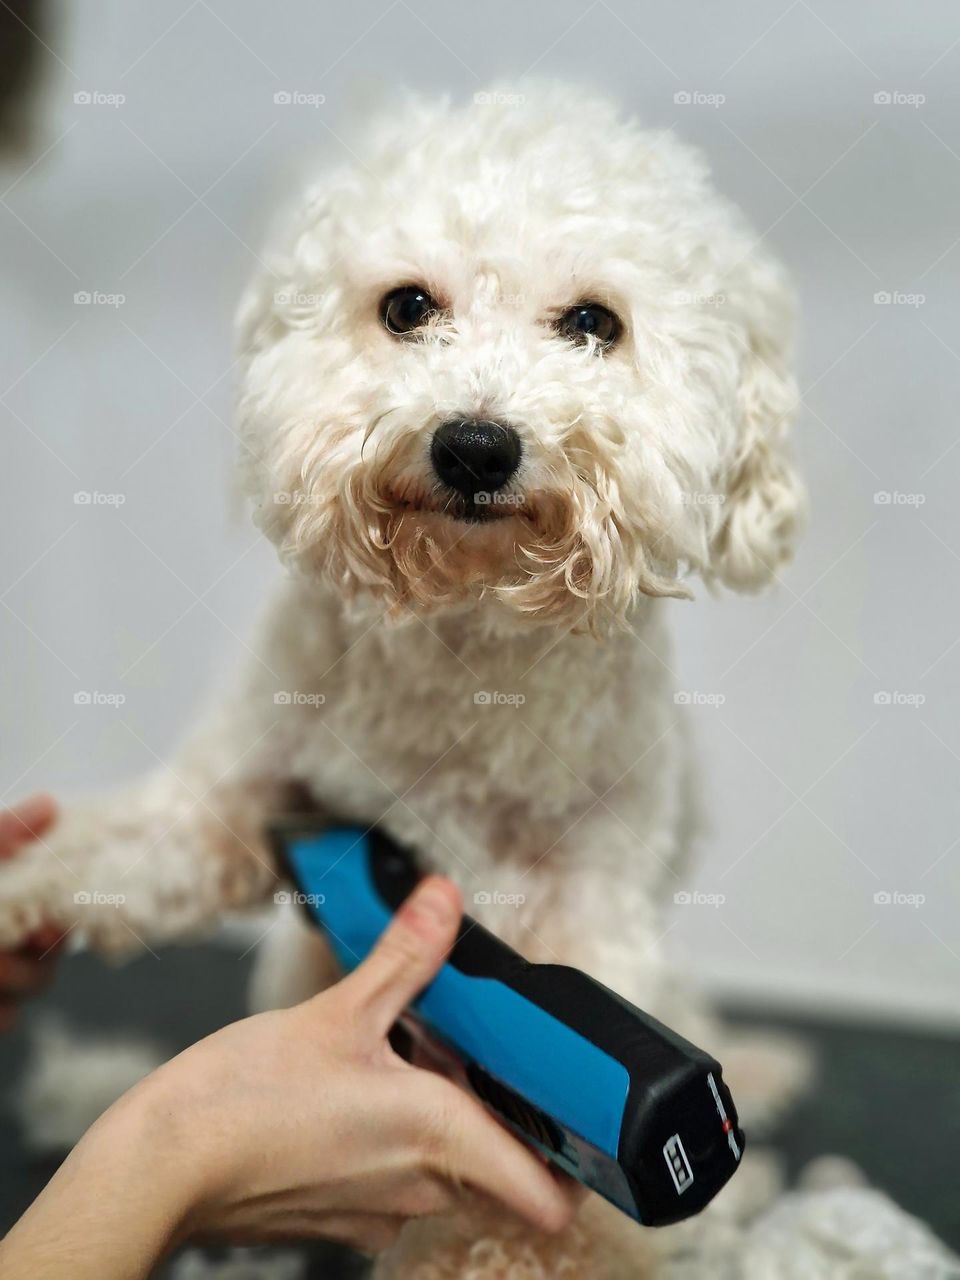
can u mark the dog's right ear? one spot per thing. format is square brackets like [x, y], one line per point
[270, 301]
[763, 496]
[255, 321]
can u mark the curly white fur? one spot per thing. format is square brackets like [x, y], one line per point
[642, 465]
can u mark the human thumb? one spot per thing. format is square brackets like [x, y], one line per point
[410, 951]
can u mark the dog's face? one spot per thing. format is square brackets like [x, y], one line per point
[520, 355]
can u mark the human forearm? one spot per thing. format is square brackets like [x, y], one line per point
[116, 1205]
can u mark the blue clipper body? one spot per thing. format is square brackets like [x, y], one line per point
[606, 1092]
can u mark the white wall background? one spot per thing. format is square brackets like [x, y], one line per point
[820, 797]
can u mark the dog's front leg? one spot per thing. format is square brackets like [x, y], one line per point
[159, 858]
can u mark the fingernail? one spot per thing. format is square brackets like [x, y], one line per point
[432, 898]
[33, 810]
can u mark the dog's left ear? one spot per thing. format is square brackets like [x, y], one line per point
[763, 496]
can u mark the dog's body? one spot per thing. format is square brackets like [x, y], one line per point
[482, 670]
[517, 765]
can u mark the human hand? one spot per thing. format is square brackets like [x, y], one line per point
[293, 1124]
[312, 1126]
[29, 968]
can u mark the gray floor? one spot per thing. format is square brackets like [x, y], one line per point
[888, 1099]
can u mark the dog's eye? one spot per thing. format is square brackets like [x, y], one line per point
[589, 320]
[406, 309]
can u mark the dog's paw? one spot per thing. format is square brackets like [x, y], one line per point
[80, 878]
[30, 897]
[481, 1242]
[39, 891]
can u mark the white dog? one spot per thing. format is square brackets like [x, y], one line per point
[510, 380]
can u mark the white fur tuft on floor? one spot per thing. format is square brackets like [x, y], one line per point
[72, 1078]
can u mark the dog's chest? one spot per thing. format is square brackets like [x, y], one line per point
[410, 720]
[444, 730]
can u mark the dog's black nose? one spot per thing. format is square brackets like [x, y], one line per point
[475, 457]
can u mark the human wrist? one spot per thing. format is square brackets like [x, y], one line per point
[119, 1202]
[155, 1158]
